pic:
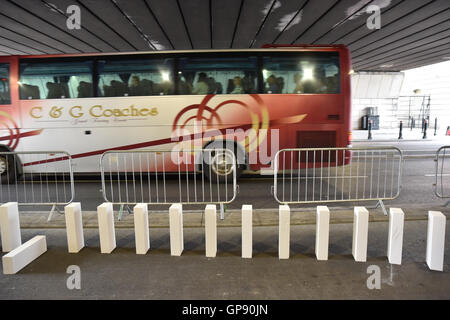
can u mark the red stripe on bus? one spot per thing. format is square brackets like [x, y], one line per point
[21, 135]
[137, 145]
[282, 121]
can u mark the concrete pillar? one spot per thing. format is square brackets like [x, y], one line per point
[210, 231]
[10, 226]
[436, 240]
[21, 256]
[284, 228]
[395, 237]
[176, 229]
[360, 233]
[247, 231]
[141, 231]
[322, 232]
[74, 227]
[106, 227]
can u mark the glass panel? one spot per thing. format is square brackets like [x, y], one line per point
[135, 77]
[5, 95]
[307, 72]
[55, 80]
[218, 75]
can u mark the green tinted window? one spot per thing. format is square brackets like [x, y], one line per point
[5, 94]
[55, 80]
[301, 73]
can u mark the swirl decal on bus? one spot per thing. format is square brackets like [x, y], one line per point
[209, 118]
[13, 138]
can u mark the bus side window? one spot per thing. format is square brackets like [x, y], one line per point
[217, 75]
[55, 79]
[137, 77]
[5, 95]
[301, 73]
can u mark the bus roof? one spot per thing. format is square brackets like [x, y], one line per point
[264, 48]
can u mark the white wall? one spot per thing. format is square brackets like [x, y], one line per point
[434, 80]
[375, 89]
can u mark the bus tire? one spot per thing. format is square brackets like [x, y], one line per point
[9, 172]
[219, 168]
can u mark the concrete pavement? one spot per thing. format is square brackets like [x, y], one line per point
[157, 275]
[388, 135]
[232, 218]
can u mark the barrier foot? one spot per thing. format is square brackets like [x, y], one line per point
[381, 204]
[222, 211]
[50, 215]
[119, 217]
[447, 203]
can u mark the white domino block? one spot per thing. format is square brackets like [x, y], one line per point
[176, 229]
[10, 226]
[360, 233]
[284, 229]
[436, 240]
[21, 256]
[74, 227]
[141, 231]
[106, 227]
[247, 231]
[322, 232]
[395, 237]
[210, 231]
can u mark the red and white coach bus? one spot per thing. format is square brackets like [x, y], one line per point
[87, 104]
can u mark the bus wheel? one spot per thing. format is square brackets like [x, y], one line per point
[7, 169]
[218, 166]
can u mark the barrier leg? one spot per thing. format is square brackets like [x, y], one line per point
[10, 226]
[176, 229]
[210, 231]
[322, 232]
[74, 227]
[284, 216]
[435, 240]
[395, 237]
[247, 231]
[21, 256]
[141, 231]
[106, 227]
[360, 233]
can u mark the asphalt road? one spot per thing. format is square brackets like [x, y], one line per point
[416, 185]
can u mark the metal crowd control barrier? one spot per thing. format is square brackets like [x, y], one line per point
[442, 183]
[167, 177]
[37, 178]
[337, 175]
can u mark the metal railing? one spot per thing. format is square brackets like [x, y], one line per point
[317, 175]
[166, 177]
[442, 180]
[36, 178]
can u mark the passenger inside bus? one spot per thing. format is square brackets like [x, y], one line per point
[135, 86]
[317, 84]
[298, 83]
[237, 86]
[273, 84]
[333, 83]
[201, 86]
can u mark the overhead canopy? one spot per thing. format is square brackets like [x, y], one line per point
[413, 33]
